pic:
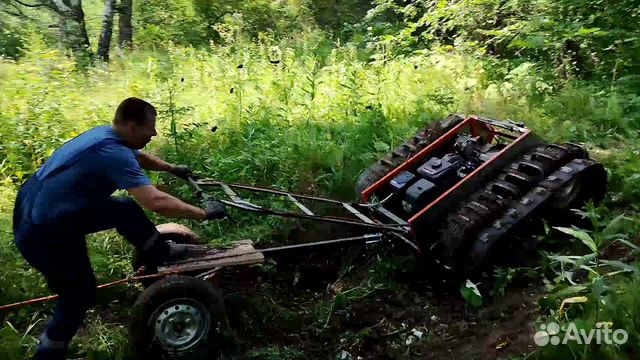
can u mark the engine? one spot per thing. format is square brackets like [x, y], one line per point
[418, 188]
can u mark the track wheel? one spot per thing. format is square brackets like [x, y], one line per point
[181, 318]
[567, 194]
[589, 185]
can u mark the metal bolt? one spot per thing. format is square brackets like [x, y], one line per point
[540, 190]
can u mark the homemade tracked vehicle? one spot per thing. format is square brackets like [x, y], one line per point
[456, 193]
[464, 184]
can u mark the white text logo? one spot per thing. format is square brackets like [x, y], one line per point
[602, 334]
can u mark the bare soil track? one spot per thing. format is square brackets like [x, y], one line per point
[296, 307]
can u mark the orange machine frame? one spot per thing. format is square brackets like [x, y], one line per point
[475, 124]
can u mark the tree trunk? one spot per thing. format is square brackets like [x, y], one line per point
[107, 30]
[62, 25]
[125, 34]
[73, 29]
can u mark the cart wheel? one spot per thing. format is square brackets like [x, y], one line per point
[177, 233]
[179, 317]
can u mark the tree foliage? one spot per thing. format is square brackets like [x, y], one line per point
[584, 38]
[12, 41]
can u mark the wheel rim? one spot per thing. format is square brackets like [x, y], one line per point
[180, 325]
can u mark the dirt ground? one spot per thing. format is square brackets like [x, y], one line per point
[299, 307]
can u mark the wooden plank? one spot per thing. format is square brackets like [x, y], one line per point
[217, 254]
[247, 259]
[242, 253]
[243, 242]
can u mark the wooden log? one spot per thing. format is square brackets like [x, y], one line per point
[242, 253]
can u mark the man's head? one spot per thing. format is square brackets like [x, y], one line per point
[135, 122]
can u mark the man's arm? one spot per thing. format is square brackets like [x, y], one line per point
[151, 162]
[164, 204]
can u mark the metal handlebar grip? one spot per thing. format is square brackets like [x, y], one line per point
[196, 187]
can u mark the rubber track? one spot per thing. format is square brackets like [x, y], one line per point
[403, 152]
[524, 207]
[490, 202]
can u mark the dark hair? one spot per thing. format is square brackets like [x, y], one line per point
[133, 109]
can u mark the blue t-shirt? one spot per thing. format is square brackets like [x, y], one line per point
[86, 169]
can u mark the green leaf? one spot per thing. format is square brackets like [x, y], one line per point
[471, 294]
[588, 31]
[580, 235]
[570, 290]
[381, 146]
[573, 259]
[339, 301]
[589, 269]
[620, 265]
[615, 226]
[633, 246]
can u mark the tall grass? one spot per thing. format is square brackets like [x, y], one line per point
[309, 123]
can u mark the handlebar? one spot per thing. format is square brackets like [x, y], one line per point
[199, 192]
[196, 187]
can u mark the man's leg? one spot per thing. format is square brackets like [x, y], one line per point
[64, 262]
[128, 218]
[123, 214]
[62, 259]
[73, 303]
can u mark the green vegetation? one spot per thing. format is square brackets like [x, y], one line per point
[305, 95]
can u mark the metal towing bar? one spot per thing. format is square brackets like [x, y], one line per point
[397, 231]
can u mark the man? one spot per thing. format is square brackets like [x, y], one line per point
[70, 196]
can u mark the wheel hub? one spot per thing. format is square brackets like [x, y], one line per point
[181, 324]
[567, 194]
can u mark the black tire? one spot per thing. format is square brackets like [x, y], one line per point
[419, 141]
[179, 318]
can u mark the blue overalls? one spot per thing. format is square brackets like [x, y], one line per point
[67, 198]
